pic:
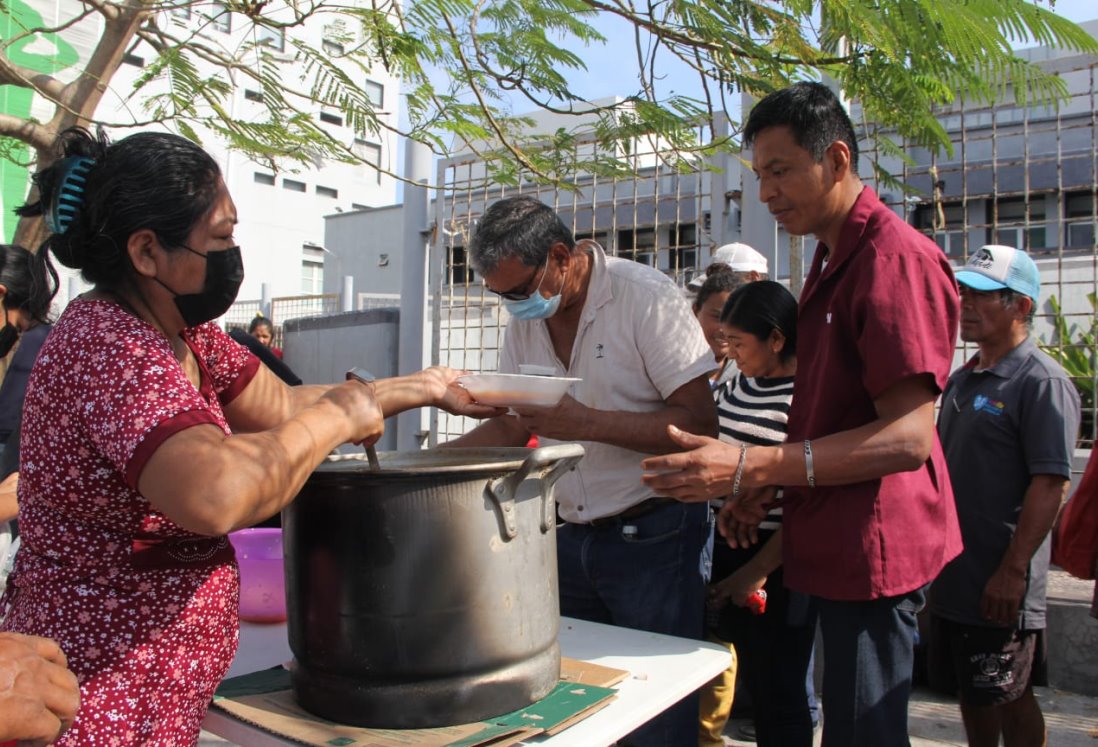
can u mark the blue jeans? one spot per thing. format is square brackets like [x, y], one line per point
[869, 651]
[642, 573]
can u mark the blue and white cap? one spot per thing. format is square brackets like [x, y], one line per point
[996, 267]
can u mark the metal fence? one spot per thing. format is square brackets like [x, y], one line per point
[1026, 176]
[283, 309]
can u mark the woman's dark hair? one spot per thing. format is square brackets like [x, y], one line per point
[151, 180]
[260, 321]
[761, 307]
[719, 278]
[30, 280]
[814, 115]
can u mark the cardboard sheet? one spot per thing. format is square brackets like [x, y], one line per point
[264, 699]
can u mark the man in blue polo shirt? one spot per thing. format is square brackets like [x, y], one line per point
[1008, 423]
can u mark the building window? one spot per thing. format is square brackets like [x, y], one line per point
[261, 178]
[946, 227]
[375, 94]
[460, 271]
[638, 245]
[312, 269]
[251, 95]
[331, 118]
[182, 11]
[598, 237]
[332, 48]
[312, 277]
[222, 19]
[293, 185]
[327, 192]
[275, 38]
[683, 252]
[370, 153]
[1008, 224]
[1079, 220]
[131, 59]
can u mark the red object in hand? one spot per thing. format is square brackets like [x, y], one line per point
[757, 602]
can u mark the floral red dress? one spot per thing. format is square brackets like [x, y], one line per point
[145, 611]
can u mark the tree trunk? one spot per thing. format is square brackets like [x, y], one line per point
[80, 99]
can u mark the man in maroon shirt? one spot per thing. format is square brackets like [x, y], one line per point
[869, 517]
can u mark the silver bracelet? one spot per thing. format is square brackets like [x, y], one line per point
[739, 469]
[808, 469]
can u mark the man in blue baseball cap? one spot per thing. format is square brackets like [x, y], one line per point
[1008, 423]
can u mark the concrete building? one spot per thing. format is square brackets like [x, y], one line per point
[281, 230]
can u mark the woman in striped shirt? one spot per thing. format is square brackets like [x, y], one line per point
[774, 648]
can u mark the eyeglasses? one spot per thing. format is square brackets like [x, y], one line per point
[519, 292]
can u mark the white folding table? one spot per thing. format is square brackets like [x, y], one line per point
[662, 670]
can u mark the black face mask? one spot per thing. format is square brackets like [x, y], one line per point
[9, 333]
[224, 274]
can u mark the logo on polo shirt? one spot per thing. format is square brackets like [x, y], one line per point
[598, 351]
[980, 403]
[829, 317]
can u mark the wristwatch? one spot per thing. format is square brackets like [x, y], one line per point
[358, 373]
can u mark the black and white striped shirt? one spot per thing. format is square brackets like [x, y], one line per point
[756, 412]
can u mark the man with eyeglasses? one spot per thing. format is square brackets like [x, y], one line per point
[625, 557]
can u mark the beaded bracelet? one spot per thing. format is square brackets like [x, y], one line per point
[808, 468]
[739, 469]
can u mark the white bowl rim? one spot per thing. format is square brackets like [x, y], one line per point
[531, 377]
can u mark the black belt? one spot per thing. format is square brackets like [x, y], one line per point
[639, 509]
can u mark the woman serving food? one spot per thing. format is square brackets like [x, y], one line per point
[149, 434]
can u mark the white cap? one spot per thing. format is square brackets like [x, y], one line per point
[739, 257]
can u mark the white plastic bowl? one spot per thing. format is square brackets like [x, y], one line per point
[516, 390]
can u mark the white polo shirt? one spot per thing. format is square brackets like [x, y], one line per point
[637, 343]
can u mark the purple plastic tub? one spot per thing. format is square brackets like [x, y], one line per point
[262, 577]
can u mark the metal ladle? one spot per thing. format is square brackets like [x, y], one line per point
[361, 374]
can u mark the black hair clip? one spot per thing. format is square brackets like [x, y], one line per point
[70, 193]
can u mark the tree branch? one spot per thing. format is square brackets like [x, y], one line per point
[77, 102]
[30, 132]
[41, 83]
[505, 141]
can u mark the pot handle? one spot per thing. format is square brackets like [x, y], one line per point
[502, 490]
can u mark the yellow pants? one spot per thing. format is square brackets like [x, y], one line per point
[716, 701]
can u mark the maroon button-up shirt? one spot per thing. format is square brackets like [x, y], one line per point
[883, 308]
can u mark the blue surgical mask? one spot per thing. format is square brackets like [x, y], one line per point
[536, 306]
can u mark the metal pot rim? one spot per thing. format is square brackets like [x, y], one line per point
[434, 461]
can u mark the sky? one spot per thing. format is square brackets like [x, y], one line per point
[609, 74]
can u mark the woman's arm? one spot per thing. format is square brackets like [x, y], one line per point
[267, 401]
[748, 578]
[9, 505]
[211, 483]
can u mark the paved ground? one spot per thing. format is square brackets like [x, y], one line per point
[935, 721]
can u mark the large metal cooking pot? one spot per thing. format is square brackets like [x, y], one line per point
[425, 593]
